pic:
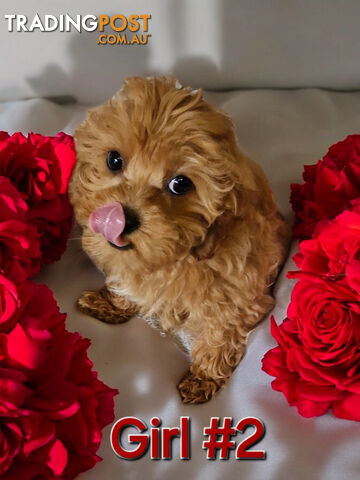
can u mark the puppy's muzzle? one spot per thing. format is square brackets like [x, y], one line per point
[113, 221]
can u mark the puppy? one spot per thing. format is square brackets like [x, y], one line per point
[183, 225]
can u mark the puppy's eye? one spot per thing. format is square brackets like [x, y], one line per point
[180, 185]
[114, 161]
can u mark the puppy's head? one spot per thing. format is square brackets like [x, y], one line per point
[158, 176]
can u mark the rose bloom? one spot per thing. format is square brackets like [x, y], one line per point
[329, 188]
[317, 361]
[20, 253]
[40, 168]
[54, 220]
[52, 405]
[334, 252]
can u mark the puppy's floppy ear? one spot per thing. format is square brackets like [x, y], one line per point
[245, 197]
[216, 233]
[220, 229]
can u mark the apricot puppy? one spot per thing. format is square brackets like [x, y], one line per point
[183, 225]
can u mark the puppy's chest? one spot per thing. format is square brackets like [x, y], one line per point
[151, 305]
[142, 293]
[117, 288]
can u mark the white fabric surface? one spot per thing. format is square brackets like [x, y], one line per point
[282, 130]
[215, 44]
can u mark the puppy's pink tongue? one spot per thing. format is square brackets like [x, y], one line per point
[109, 220]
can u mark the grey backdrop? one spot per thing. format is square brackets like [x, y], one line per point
[217, 44]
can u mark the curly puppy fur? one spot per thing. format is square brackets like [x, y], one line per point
[203, 262]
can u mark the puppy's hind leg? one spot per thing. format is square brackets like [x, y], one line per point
[106, 306]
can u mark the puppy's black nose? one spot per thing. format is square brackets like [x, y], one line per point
[132, 220]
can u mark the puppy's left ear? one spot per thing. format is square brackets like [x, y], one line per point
[216, 233]
[249, 187]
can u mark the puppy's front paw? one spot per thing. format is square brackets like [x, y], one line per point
[193, 389]
[96, 305]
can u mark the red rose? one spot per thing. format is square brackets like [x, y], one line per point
[52, 406]
[316, 364]
[40, 168]
[329, 186]
[20, 252]
[334, 250]
[54, 219]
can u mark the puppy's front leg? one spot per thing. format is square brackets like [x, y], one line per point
[212, 365]
[106, 306]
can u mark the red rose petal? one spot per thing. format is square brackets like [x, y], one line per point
[22, 350]
[58, 458]
[348, 407]
[308, 408]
